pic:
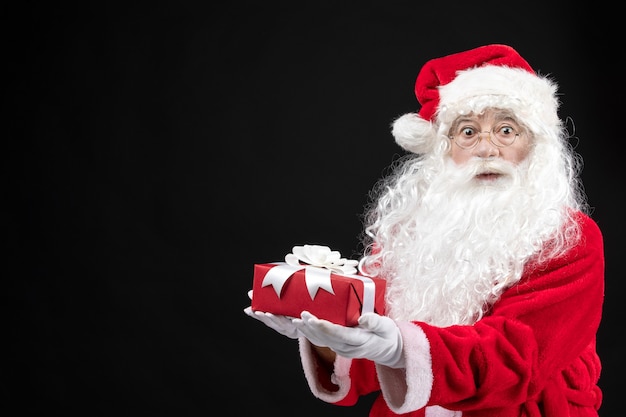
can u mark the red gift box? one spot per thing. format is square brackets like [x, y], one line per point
[284, 289]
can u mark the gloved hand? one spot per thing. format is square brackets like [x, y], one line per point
[281, 324]
[376, 337]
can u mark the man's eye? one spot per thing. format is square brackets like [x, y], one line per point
[506, 130]
[468, 131]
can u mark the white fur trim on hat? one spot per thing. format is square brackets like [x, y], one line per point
[531, 97]
[413, 133]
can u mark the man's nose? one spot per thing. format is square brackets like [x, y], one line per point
[485, 148]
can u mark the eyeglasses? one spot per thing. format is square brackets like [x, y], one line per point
[501, 136]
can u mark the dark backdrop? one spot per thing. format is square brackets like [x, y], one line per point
[155, 153]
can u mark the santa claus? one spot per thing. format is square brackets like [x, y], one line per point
[494, 269]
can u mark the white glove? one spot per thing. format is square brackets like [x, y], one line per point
[376, 338]
[281, 324]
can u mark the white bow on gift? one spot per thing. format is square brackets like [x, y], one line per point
[323, 257]
[319, 262]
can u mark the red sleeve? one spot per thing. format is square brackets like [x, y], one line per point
[538, 329]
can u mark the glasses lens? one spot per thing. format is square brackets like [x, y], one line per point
[503, 135]
[467, 137]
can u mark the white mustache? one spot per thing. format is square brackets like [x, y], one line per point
[481, 166]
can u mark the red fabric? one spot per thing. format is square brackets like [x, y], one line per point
[441, 71]
[534, 355]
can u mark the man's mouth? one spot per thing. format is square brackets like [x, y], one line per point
[488, 176]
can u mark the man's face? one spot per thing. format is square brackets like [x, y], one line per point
[486, 128]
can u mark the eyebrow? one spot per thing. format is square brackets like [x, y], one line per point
[504, 115]
[498, 118]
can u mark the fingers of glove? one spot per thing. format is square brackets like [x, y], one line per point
[325, 328]
[333, 335]
[260, 316]
[312, 334]
[281, 324]
[381, 325]
[250, 294]
[310, 327]
[388, 348]
[254, 314]
[319, 337]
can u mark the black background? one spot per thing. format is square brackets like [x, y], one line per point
[155, 152]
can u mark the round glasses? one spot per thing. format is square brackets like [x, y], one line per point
[501, 136]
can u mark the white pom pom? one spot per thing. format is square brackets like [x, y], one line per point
[414, 134]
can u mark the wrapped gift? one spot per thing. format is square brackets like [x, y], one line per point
[318, 280]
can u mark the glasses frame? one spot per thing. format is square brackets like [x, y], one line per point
[489, 132]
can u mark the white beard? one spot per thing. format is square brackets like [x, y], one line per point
[451, 251]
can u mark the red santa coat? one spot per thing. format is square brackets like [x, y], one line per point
[533, 355]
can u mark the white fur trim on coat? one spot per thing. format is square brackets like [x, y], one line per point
[408, 389]
[340, 377]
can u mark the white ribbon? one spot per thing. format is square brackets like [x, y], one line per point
[314, 277]
[369, 292]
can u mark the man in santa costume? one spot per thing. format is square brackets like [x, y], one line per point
[494, 269]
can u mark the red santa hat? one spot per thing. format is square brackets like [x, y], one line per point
[470, 81]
